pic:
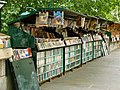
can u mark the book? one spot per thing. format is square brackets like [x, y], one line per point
[39, 46]
[21, 54]
[37, 21]
[80, 21]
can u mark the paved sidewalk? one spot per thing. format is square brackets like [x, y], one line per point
[100, 74]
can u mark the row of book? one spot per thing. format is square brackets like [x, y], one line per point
[45, 43]
[49, 53]
[46, 57]
[72, 40]
[49, 60]
[72, 48]
[50, 74]
[49, 67]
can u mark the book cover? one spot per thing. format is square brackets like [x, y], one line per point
[21, 53]
[16, 55]
[58, 17]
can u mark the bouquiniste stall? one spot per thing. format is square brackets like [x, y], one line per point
[60, 39]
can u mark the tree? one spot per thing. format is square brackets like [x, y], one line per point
[108, 9]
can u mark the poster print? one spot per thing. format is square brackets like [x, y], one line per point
[58, 17]
[43, 18]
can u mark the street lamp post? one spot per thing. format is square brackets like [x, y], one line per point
[2, 3]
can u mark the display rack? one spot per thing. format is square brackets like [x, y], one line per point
[89, 51]
[72, 53]
[49, 63]
[87, 54]
[97, 46]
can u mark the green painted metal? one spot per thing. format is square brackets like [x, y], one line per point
[25, 75]
[20, 39]
[64, 61]
[22, 18]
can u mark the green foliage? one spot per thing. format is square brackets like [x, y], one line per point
[103, 8]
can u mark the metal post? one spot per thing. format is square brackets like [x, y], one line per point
[64, 61]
